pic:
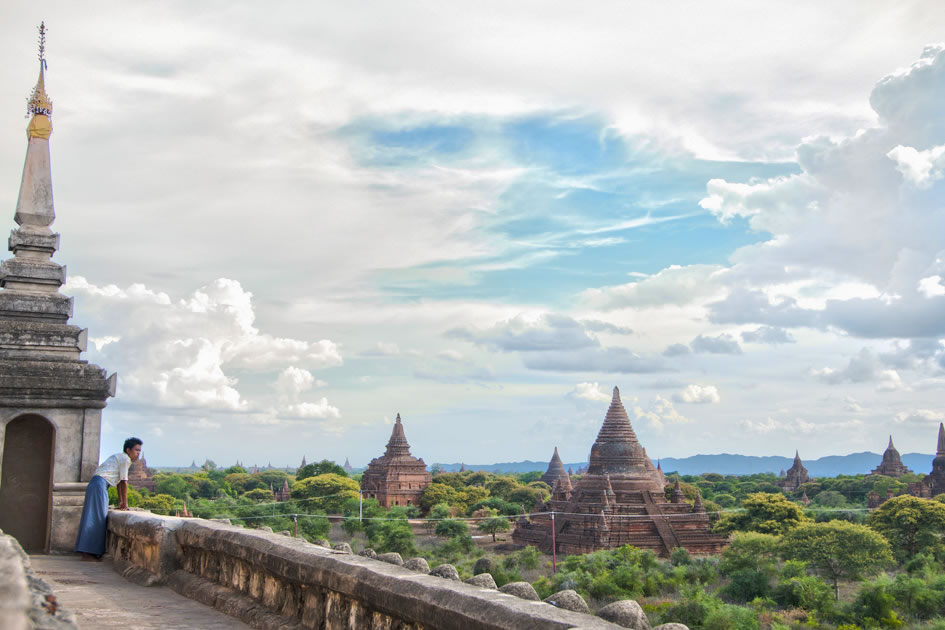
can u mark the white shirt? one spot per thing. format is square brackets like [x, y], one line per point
[115, 468]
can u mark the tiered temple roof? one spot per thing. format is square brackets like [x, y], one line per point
[140, 477]
[795, 475]
[396, 477]
[619, 501]
[556, 472]
[892, 465]
[933, 484]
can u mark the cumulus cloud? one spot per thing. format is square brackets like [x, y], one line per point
[864, 367]
[720, 344]
[548, 332]
[675, 285]
[698, 394]
[616, 360]
[676, 350]
[450, 355]
[657, 414]
[181, 353]
[919, 168]
[589, 391]
[922, 417]
[768, 335]
[596, 325]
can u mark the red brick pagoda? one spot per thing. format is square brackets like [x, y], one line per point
[892, 465]
[139, 476]
[396, 477]
[933, 484]
[556, 472]
[619, 501]
[795, 476]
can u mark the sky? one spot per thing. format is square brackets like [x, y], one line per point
[285, 226]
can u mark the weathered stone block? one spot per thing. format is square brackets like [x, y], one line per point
[626, 613]
[483, 580]
[522, 590]
[419, 565]
[569, 600]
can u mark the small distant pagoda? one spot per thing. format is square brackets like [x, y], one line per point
[396, 477]
[556, 472]
[795, 475]
[933, 484]
[139, 476]
[348, 468]
[282, 494]
[619, 501]
[892, 465]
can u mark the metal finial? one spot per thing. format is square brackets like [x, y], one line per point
[42, 42]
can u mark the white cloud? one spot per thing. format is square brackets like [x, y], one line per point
[768, 334]
[919, 168]
[450, 355]
[320, 410]
[589, 391]
[864, 367]
[674, 285]
[925, 417]
[382, 349]
[698, 394]
[658, 414]
[931, 286]
[720, 344]
[181, 353]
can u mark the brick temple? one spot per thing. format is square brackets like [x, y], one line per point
[396, 477]
[139, 476]
[933, 484]
[556, 472]
[795, 475]
[892, 465]
[619, 501]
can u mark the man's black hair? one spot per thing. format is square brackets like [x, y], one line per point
[131, 443]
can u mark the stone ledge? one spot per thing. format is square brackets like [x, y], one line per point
[268, 576]
[26, 601]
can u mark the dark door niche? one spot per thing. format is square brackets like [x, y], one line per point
[26, 481]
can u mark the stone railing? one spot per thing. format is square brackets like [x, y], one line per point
[26, 602]
[273, 581]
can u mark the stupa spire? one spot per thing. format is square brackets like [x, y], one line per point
[890, 446]
[941, 440]
[34, 207]
[397, 445]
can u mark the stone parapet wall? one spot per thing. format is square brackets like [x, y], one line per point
[26, 602]
[272, 581]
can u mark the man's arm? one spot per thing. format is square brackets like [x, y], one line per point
[122, 489]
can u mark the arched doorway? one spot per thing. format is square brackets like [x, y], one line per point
[26, 481]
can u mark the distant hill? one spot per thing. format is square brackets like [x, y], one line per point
[727, 464]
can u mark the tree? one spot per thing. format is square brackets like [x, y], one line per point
[330, 491]
[837, 550]
[174, 485]
[910, 524]
[750, 550]
[258, 495]
[763, 513]
[323, 467]
[159, 503]
[451, 528]
[493, 525]
[439, 493]
[502, 486]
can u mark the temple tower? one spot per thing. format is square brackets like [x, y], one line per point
[933, 484]
[619, 501]
[396, 477]
[795, 475]
[556, 472]
[51, 400]
[892, 465]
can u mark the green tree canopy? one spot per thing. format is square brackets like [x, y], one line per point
[837, 550]
[323, 467]
[159, 503]
[493, 525]
[332, 490]
[763, 513]
[910, 524]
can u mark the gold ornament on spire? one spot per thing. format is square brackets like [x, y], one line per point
[39, 104]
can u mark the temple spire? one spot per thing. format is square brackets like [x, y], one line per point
[890, 447]
[397, 445]
[941, 439]
[34, 207]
